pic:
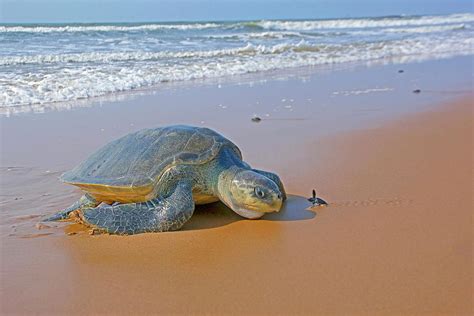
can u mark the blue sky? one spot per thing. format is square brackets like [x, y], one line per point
[48, 11]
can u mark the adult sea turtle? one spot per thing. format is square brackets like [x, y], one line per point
[150, 180]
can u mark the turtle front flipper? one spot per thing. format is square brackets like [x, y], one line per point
[275, 178]
[86, 201]
[157, 215]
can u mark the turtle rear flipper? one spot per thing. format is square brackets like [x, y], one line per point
[86, 201]
[157, 215]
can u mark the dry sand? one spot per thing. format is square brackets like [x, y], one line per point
[396, 238]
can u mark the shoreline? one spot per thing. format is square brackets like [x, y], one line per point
[395, 167]
[250, 78]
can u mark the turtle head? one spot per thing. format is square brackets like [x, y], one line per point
[249, 193]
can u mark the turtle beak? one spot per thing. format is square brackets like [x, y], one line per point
[278, 202]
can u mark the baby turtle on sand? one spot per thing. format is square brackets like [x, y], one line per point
[316, 201]
[150, 180]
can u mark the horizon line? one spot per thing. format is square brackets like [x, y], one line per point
[235, 20]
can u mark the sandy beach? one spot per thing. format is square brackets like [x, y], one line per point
[395, 167]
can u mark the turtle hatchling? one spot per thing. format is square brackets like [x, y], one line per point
[150, 181]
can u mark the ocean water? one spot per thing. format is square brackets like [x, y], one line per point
[48, 63]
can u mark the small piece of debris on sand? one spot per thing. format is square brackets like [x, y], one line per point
[94, 232]
[41, 226]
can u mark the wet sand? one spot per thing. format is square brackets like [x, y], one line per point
[396, 238]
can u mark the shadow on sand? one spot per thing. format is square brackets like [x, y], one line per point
[295, 208]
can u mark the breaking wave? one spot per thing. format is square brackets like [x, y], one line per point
[52, 63]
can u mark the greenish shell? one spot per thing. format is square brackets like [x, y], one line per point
[134, 163]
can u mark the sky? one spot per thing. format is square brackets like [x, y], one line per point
[84, 11]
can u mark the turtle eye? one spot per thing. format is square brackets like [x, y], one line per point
[259, 192]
